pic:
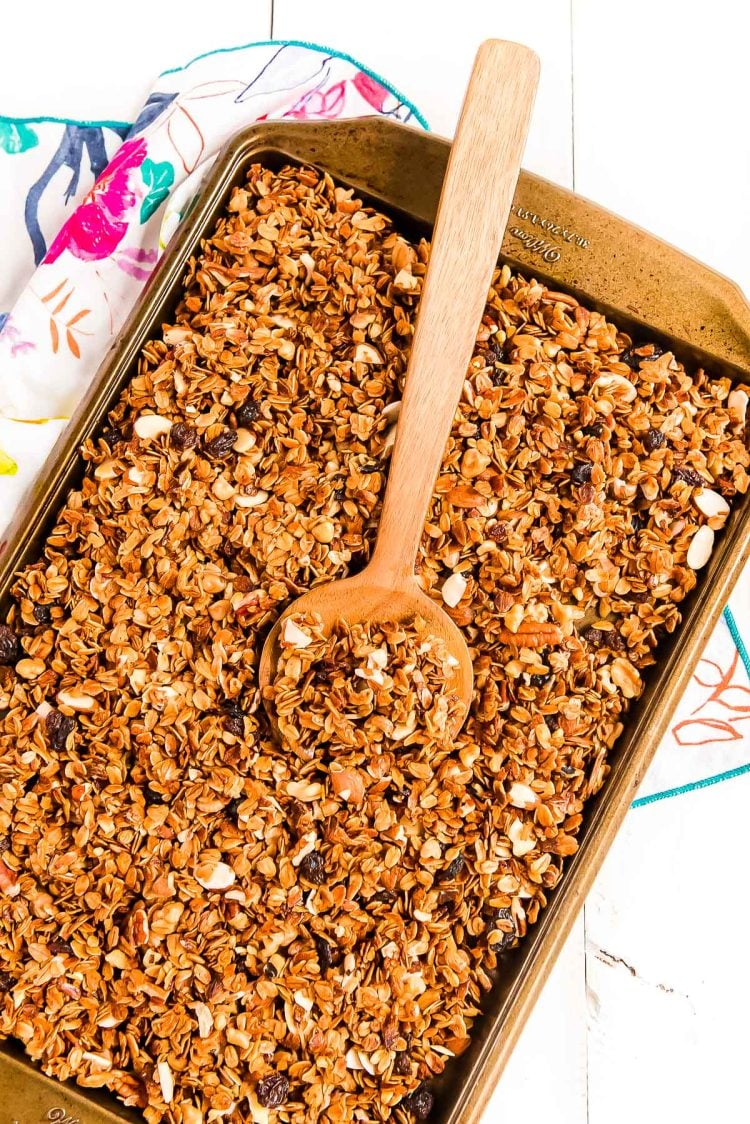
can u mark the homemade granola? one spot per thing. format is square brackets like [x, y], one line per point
[190, 915]
[364, 689]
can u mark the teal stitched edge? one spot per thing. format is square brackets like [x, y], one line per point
[311, 47]
[728, 774]
[118, 125]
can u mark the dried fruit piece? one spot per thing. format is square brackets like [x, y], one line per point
[313, 868]
[273, 1091]
[183, 436]
[10, 649]
[59, 727]
[220, 445]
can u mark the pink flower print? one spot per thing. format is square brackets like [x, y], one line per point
[370, 90]
[319, 103]
[98, 225]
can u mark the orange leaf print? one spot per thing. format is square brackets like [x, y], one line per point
[73, 344]
[53, 294]
[59, 307]
[78, 316]
[55, 336]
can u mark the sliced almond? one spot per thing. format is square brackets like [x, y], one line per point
[701, 545]
[76, 700]
[149, 426]
[214, 875]
[521, 796]
[711, 503]
[292, 636]
[255, 500]
[366, 353]
[165, 1079]
[453, 589]
[205, 1019]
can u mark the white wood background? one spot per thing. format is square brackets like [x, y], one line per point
[644, 107]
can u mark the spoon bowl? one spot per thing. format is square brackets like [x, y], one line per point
[360, 599]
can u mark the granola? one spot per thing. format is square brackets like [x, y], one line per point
[189, 916]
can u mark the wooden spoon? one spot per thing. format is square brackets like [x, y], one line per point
[472, 214]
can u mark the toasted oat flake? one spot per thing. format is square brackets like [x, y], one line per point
[176, 881]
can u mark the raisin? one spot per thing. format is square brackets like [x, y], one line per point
[653, 439]
[183, 436]
[232, 808]
[269, 971]
[312, 868]
[498, 533]
[10, 649]
[247, 413]
[595, 430]
[234, 718]
[568, 771]
[452, 870]
[112, 435]
[654, 352]
[328, 956]
[402, 1064]
[552, 722]
[368, 469]
[58, 726]
[60, 948]
[6, 982]
[498, 351]
[43, 614]
[690, 476]
[505, 939]
[273, 1090]
[154, 797]
[637, 522]
[386, 896]
[419, 1103]
[4, 843]
[222, 444]
[631, 360]
[340, 494]
[593, 636]
[581, 473]
[540, 680]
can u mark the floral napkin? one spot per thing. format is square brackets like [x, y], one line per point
[78, 252]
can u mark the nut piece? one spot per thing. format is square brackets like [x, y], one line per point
[30, 669]
[165, 1079]
[710, 503]
[626, 677]
[521, 796]
[348, 785]
[149, 426]
[205, 1019]
[366, 353]
[701, 545]
[76, 700]
[453, 589]
[213, 875]
[292, 636]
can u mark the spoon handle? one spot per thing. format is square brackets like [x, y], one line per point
[475, 202]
